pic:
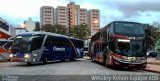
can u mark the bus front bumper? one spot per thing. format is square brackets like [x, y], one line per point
[129, 64]
[17, 59]
[20, 59]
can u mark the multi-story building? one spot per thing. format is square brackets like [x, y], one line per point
[62, 17]
[93, 20]
[82, 16]
[6, 29]
[77, 15]
[20, 30]
[29, 25]
[12, 30]
[70, 16]
[46, 15]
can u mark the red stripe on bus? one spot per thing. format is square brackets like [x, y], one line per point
[2, 50]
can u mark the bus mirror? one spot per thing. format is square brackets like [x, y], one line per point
[107, 47]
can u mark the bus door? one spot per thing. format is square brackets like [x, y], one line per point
[100, 52]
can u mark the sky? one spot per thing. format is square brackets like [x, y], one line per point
[144, 11]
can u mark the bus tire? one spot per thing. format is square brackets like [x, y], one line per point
[62, 60]
[29, 63]
[92, 59]
[44, 60]
[107, 61]
[72, 59]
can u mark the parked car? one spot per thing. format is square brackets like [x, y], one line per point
[153, 54]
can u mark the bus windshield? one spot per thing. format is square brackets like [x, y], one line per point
[21, 44]
[123, 47]
[133, 48]
[132, 29]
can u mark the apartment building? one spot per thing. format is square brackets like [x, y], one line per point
[93, 20]
[77, 15]
[82, 16]
[46, 15]
[61, 17]
[70, 16]
[29, 24]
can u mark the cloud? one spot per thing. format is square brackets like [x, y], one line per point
[16, 11]
[132, 10]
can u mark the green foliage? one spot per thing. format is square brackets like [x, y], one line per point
[48, 28]
[153, 32]
[37, 27]
[80, 31]
[153, 36]
[158, 43]
[59, 29]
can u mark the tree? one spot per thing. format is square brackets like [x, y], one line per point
[152, 35]
[37, 27]
[48, 28]
[59, 29]
[158, 44]
[80, 31]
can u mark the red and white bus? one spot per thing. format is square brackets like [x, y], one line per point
[120, 44]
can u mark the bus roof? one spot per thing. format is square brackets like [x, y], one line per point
[5, 40]
[126, 22]
[48, 33]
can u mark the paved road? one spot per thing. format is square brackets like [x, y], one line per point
[79, 67]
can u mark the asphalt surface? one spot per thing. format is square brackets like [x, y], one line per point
[62, 71]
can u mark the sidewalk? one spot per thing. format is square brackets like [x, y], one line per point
[87, 57]
[153, 65]
[3, 61]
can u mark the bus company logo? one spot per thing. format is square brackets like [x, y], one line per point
[58, 48]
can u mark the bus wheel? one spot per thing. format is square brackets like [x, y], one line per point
[72, 59]
[62, 60]
[29, 63]
[107, 61]
[44, 60]
[92, 59]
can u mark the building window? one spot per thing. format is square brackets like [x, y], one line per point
[49, 11]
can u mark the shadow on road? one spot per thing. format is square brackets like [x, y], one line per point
[41, 64]
[120, 68]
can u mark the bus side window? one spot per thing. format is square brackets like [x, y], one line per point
[37, 42]
[111, 46]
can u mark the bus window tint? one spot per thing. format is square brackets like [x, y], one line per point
[36, 43]
[129, 28]
[51, 40]
[112, 46]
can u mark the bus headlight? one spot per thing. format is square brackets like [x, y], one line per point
[26, 56]
[11, 55]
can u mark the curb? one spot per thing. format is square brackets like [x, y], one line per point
[152, 71]
[1, 61]
[87, 58]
